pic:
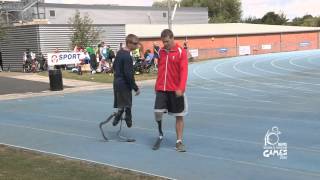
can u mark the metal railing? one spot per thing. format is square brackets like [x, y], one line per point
[18, 6]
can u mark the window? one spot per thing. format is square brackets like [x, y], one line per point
[52, 13]
[164, 14]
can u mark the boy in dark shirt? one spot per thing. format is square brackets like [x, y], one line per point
[124, 81]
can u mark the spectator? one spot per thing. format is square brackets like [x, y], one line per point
[93, 59]
[104, 52]
[121, 46]
[27, 59]
[1, 66]
[86, 57]
[185, 45]
[111, 56]
[42, 62]
[56, 50]
[27, 55]
[138, 52]
[82, 58]
[148, 57]
[98, 52]
[156, 49]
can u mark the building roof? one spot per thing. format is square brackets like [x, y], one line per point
[183, 30]
[115, 7]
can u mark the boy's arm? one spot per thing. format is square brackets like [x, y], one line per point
[183, 71]
[128, 72]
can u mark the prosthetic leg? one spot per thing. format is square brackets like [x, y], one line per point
[115, 115]
[157, 144]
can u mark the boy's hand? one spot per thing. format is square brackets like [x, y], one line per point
[179, 93]
[137, 92]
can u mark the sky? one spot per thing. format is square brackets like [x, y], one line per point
[257, 8]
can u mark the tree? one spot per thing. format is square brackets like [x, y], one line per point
[274, 19]
[84, 32]
[163, 3]
[306, 20]
[252, 20]
[317, 21]
[220, 11]
[2, 29]
[297, 21]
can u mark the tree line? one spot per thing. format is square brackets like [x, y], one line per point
[230, 11]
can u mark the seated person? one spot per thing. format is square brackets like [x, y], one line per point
[148, 57]
[86, 57]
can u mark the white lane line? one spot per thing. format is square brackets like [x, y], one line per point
[273, 84]
[254, 66]
[246, 99]
[277, 79]
[201, 112]
[266, 84]
[212, 90]
[246, 107]
[260, 165]
[301, 66]
[215, 67]
[190, 153]
[147, 129]
[199, 155]
[47, 131]
[310, 61]
[251, 89]
[230, 85]
[274, 65]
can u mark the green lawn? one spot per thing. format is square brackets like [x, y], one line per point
[99, 77]
[17, 164]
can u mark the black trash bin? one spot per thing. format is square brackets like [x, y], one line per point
[55, 77]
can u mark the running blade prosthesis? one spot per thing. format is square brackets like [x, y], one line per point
[121, 138]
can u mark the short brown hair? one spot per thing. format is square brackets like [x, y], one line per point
[130, 38]
[167, 33]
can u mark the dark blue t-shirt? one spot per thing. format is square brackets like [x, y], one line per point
[123, 72]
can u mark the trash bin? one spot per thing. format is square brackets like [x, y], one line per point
[55, 78]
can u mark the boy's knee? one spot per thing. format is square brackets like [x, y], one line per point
[120, 111]
[158, 116]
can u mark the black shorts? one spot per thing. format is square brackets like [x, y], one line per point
[122, 99]
[167, 101]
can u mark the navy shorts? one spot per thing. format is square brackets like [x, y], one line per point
[167, 101]
[122, 99]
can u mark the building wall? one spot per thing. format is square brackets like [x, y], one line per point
[227, 46]
[207, 46]
[45, 39]
[127, 16]
[299, 41]
[15, 43]
[256, 42]
[318, 40]
[58, 36]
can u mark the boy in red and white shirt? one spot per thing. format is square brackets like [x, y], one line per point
[171, 85]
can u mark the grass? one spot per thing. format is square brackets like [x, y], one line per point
[99, 77]
[16, 164]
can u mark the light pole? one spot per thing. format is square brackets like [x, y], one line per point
[169, 15]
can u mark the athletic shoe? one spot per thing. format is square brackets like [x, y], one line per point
[180, 147]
